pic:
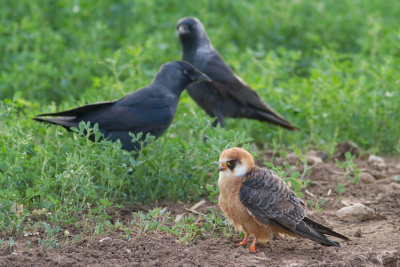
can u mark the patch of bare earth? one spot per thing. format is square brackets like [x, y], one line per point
[374, 242]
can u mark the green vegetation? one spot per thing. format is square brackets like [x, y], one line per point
[350, 171]
[186, 227]
[330, 67]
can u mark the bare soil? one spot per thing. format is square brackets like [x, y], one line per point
[374, 242]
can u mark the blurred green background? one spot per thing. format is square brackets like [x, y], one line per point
[330, 67]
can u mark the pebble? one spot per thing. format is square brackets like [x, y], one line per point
[311, 160]
[375, 259]
[367, 178]
[358, 233]
[347, 146]
[395, 186]
[292, 158]
[262, 255]
[355, 213]
[104, 239]
[377, 162]
[320, 154]
[372, 158]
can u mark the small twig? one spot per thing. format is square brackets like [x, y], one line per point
[306, 168]
[336, 172]
[310, 194]
[198, 204]
[179, 217]
[196, 212]
[345, 203]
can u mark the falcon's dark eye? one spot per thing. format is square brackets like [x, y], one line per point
[185, 72]
[231, 164]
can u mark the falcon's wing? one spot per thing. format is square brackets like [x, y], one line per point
[270, 200]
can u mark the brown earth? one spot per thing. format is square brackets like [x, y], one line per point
[374, 242]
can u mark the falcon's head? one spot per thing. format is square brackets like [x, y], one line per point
[235, 161]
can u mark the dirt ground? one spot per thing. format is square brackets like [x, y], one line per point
[374, 242]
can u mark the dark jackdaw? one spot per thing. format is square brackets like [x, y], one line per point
[150, 109]
[226, 95]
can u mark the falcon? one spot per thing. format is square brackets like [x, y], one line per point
[226, 95]
[260, 204]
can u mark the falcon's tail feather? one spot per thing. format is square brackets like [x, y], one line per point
[316, 232]
[323, 229]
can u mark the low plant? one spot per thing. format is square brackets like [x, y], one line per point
[67, 175]
[350, 172]
[186, 227]
[349, 168]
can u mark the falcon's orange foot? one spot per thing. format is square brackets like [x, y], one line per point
[244, 242]
[253, 246]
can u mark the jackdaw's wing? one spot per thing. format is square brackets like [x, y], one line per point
[231, 86]
[79, 111]
[135, 112]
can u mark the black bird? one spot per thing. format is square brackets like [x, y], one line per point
[150, 109]
[226, 95]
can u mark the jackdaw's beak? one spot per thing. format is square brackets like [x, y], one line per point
[199, 76]
[221, 167]
[183, 29]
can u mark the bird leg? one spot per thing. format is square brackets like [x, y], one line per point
[220, 120]
[215, 123]
[244, 242]
[253, 246]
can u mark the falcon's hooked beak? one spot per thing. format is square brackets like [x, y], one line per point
[222, 167]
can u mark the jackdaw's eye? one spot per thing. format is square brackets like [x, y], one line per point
[185, 72]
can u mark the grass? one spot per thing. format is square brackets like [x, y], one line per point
[330, 67]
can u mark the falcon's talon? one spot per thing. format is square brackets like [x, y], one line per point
[244, 242]
[253, 247]
[241, 244]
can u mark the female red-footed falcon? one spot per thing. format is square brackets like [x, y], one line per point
[259, 203]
